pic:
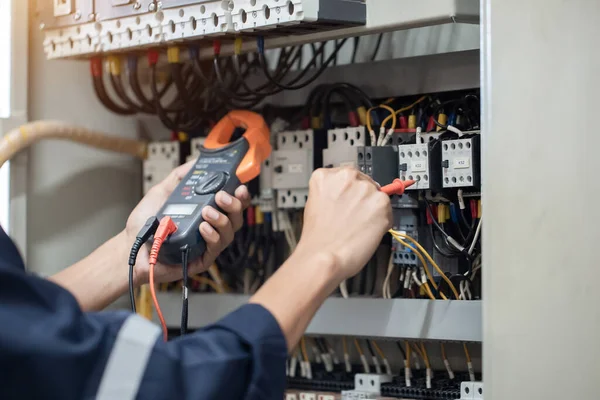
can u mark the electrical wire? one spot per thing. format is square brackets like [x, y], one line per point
[185, 287]
[377, 47]
[407, 108]
[400, 236]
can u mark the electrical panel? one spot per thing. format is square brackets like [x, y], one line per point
[420, 162]
[195, 146]
[380, 163]
[298, 154]
[163, 157]
[461, 161]
[84, 28]
[341, 146]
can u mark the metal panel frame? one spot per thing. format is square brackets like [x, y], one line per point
[400, 318]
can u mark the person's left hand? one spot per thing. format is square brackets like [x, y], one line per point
[218, 232]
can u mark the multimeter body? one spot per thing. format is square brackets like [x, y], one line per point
[222, 166]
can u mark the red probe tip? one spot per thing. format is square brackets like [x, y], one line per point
[397, 187]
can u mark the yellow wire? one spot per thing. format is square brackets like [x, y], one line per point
[358, 347]
[303, 348]
[418, 351]
[410, 107]
[467, 355]
[438, 269]
[428, 291]
[425, 356]
[208, 282]
[345, 345]
[385, 107]
[418, 254]
[407, 353]
[378, 350]
[443, 347]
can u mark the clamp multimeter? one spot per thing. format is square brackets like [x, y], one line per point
[222, 165]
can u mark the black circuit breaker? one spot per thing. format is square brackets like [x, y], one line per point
[380, 163]
[421, 162]
[461, 162]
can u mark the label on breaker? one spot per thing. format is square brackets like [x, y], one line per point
[419, 166]
[295, 168]
[462, 162]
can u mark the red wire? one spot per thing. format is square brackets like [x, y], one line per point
[167, 227]
[163, 324]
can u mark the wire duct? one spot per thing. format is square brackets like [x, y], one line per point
[28, 134]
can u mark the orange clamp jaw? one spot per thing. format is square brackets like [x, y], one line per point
[257, 135]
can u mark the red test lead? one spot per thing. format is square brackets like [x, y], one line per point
[397, 187]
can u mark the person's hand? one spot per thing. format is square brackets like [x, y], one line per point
[345, 217]
[218, 230]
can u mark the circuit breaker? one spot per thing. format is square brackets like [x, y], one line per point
[406, 221]
[380, 163]
[461, 159]
[298, 154]
[420, 162]
[163, 157]
[195, 146]
[341, 146]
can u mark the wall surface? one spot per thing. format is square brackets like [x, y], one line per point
[77, 197]
[540, 90]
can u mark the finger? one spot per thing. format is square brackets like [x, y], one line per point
[213, 243]
[172, 180]
[233, 207]
[219, 222]
[243, 194]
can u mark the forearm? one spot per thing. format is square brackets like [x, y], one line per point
[100, 278]
[297, 290]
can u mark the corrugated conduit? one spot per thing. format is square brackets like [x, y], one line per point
[28, 134]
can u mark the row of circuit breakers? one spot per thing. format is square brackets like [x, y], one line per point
[82, 28]
[435, 163]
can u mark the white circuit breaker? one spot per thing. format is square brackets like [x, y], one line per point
[461, 162]
[341, 146]
[163, 157]
[420, 162]
[195, 146]
[297, 155]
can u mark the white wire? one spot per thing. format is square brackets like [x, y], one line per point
[386, 283]
[344, 289]
[387, 137]
[476, 237]
[373, 137]
[381, 136]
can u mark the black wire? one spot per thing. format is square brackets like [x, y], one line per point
[401, 349]
[131, 290]
[377, 47]
[184, 306]
[355, 49]
[370, 347]
[105, 99]
[292, 85]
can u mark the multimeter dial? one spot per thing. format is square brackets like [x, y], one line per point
[211, 182]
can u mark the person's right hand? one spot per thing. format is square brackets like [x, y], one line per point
[346, 216]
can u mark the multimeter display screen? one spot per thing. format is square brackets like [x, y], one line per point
[180, 209]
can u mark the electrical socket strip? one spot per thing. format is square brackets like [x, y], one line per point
[163, 157]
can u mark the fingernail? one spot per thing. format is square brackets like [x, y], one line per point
[207, 229]
[226, 199]
[212, 214]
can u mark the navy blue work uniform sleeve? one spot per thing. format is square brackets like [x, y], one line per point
[49, 349]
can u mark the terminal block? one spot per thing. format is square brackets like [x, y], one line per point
[195, 146]
[298, 154]
[421, 162]
[405, 221]
[380, 163]
[461, 162]
[341, 146]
